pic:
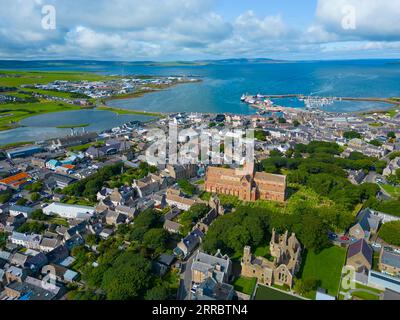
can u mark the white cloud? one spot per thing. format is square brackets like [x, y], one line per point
[190, 29]
[374, 19]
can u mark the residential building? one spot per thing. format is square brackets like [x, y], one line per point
[389, 262]
[187, 171]
[218, 267]
[359, 256]
[114, 218]
[175, 199]
[367, 225]
[30, 241]
[172, 226]
[189, 244]
[212, 290]
[31, 289]
[17, 210]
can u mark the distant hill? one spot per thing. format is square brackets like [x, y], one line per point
[89, 64]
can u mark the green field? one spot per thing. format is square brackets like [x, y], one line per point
[11, 114]
[325, 267]
[18, 78]
[267, 293]
[392, 190]
[245, 285]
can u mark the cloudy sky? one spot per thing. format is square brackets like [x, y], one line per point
[199, 29]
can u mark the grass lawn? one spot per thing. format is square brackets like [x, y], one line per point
[11, 114]
[363, 295]
[19, 78]
[267, 293]
[325, 267]
[392, 113]
[392, 190]
[245, 285]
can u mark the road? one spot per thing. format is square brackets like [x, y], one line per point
[186, 278]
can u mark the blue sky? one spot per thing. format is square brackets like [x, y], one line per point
[299, 12]
[199, 29]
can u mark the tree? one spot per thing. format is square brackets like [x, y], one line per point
[186, 187]
[349, 135]
[145, 221]
[32, 227]
[34, 187]
[128, 278]
[155, 239]
[390, 233]
[21, 201]
[260, 135]
[3, 240]
[91, 239]
[375, 143]
[391, 135]
[35, 197]
[305, 286]
[159, 293]
[192, 216]
[5, 197]
[39, 215]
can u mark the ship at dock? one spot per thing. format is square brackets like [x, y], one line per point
[261, 103]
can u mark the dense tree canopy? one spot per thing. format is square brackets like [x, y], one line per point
[128, 278]
[390, 233]
[186, 187]
[352, 135]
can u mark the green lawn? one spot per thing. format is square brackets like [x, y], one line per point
[325, 267]
[11, 114]
[245, 285]
[362, 294]
[392, 190]
[18, 78]
[126, 111]
[267, 293]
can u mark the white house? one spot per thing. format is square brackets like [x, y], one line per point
[30, 241]
[69, 211]
[17, 210]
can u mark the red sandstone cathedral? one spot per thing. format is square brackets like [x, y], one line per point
[248, 186]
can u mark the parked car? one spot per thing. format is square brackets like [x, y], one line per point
[376, 245]
[344, 238]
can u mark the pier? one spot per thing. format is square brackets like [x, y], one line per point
[265, 104]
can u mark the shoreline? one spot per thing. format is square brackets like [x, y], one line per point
[394, 103]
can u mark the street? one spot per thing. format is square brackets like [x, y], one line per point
[186, 278]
